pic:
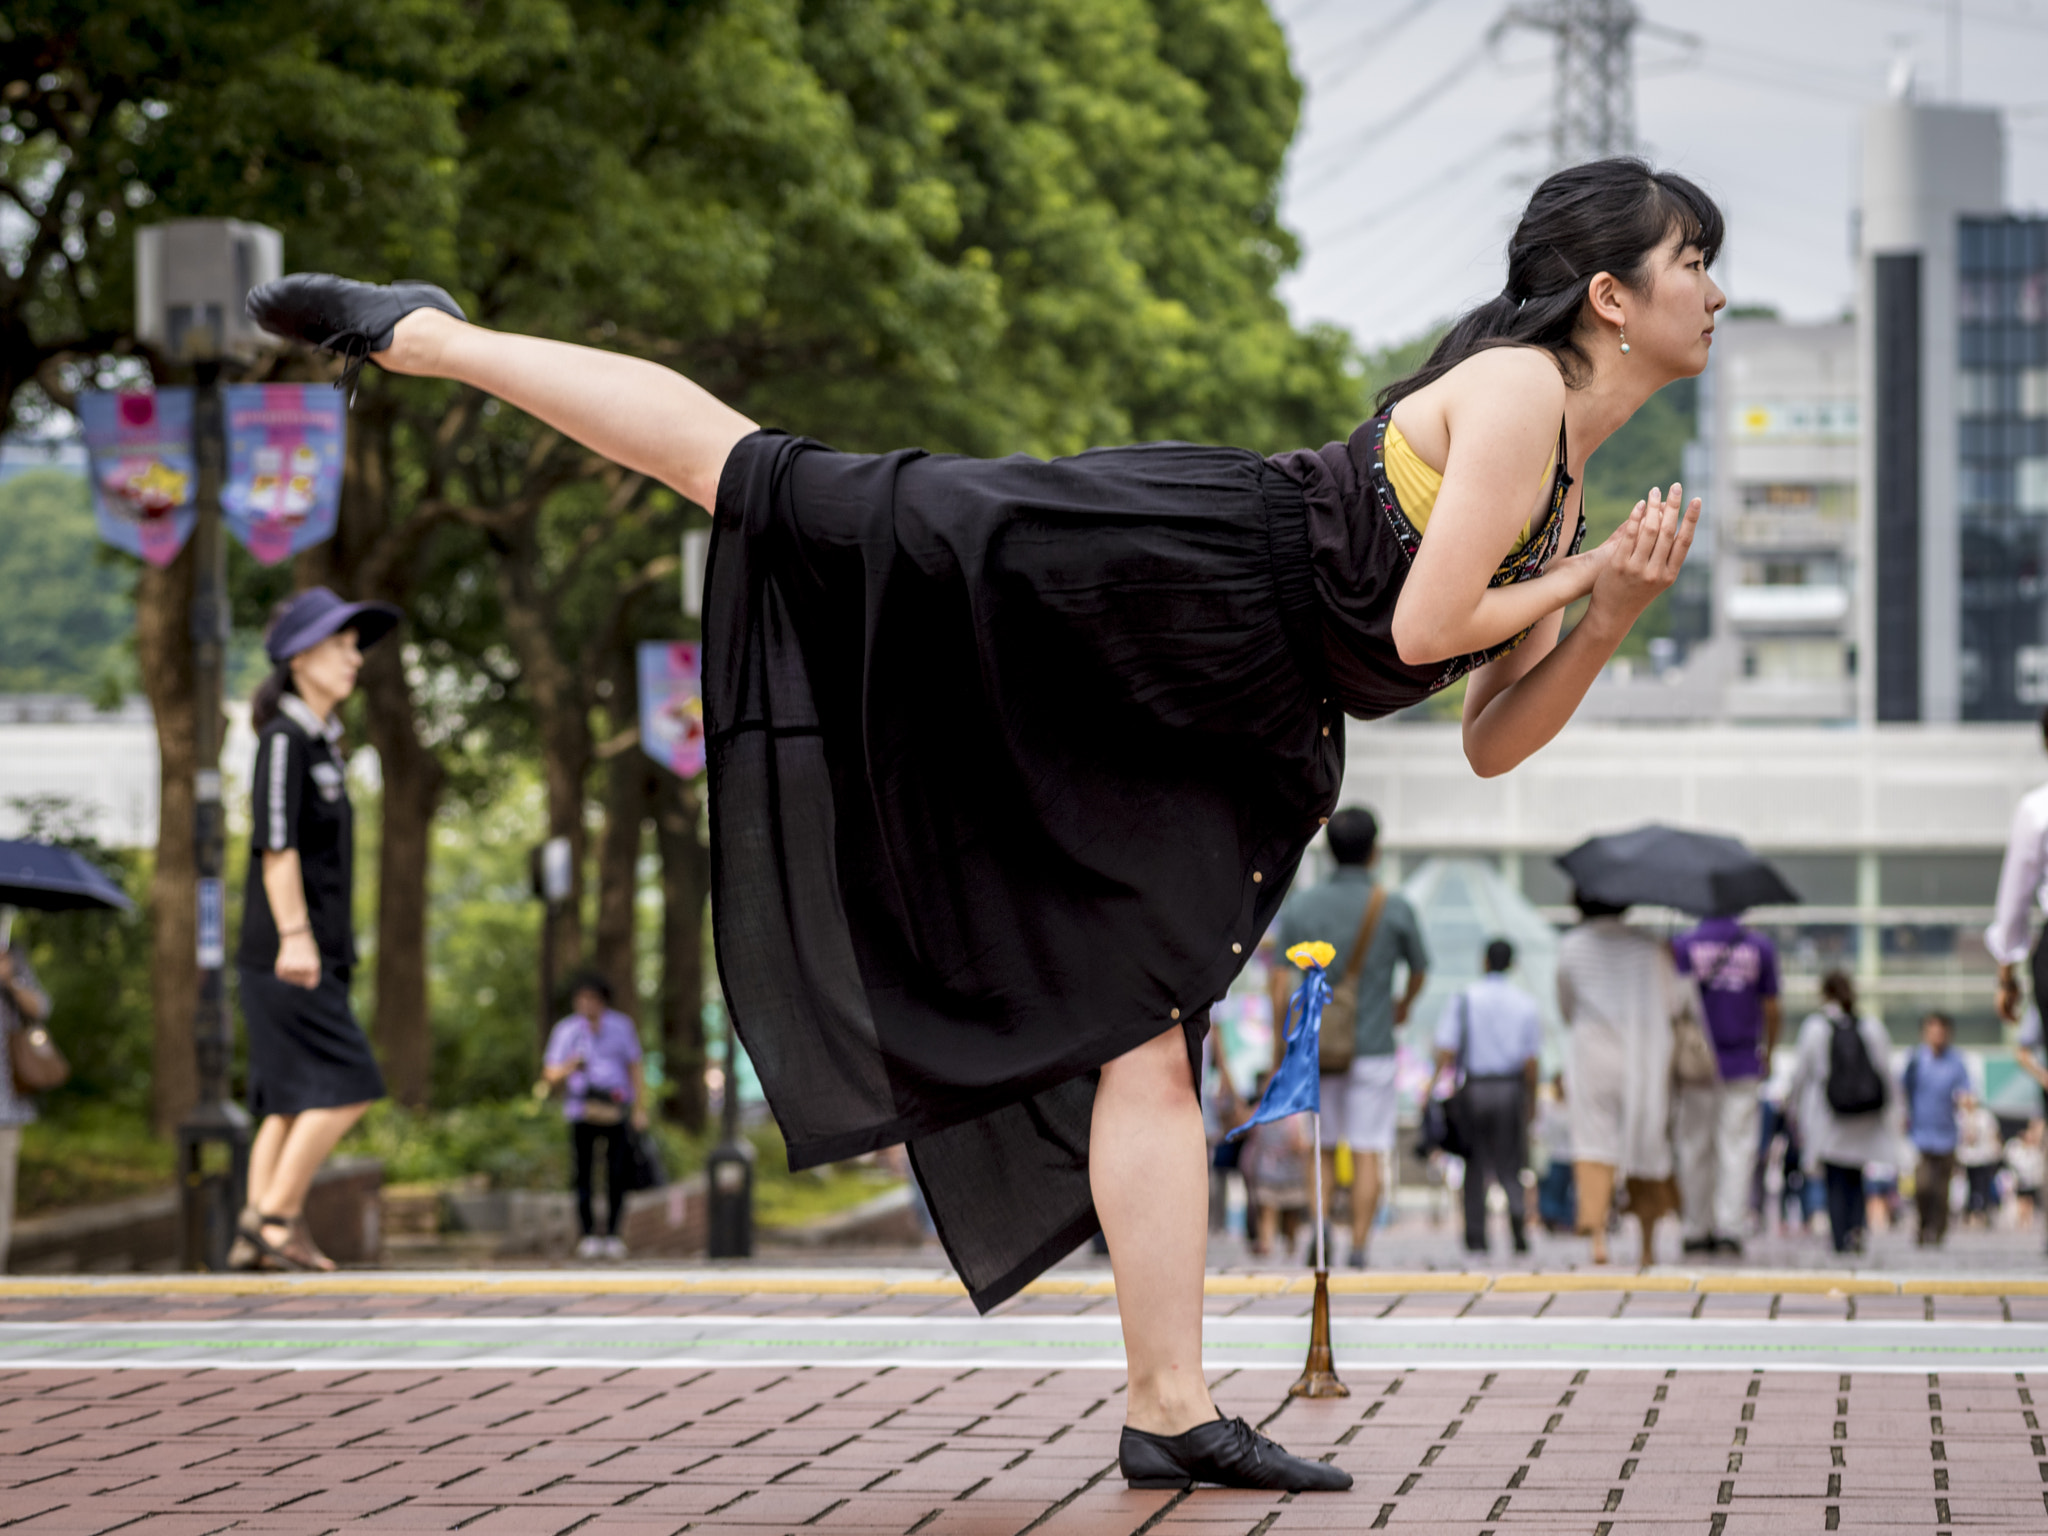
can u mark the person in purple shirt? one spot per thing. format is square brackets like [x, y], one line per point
[1715, 1126]
[594, 1054]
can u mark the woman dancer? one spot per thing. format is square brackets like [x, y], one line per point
[311, 1074]
[1011, 761]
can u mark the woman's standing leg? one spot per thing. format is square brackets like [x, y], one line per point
[649, 418]
[1842, 1203]
[618, 1168]
[1595, 1185]
[264, 1152]
[1146, 1171]
[583, 1146]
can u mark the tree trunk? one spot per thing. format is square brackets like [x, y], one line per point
[628, 791]
[163, 643]
[371, 557]
[562, 725]
[685, 887]
[413, 777]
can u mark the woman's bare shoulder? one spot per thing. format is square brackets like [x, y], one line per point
[1511, 377]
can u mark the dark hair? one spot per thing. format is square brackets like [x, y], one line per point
[1354, 832]
[590, 981]
[2044, 725]
[1603, 216]
[278, 681]
[1936, 1016]
[1592, 906]
[1837, 988]
[1500, 954]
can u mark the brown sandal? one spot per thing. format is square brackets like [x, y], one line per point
[299, 1250]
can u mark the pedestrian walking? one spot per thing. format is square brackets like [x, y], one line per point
[24, 1005]
[311, 1074]
[594, 1056]
[1935, 1080]
[1620, 994]
[2022, 886]
[1980, 1150]
[1011, 761]
[1378, 935]
[1715, 1124]
[1846, 1116]
[1489, 1039]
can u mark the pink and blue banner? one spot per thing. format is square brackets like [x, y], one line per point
[144, 477]
[285, 446]
[672, 704]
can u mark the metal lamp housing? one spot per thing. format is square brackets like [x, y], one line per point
[192, 282]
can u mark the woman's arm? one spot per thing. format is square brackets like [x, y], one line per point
[1517, 704]
[298, 957]
[639, 1079]
[1500, 412]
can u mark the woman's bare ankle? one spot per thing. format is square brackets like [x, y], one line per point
[417, 343]
[1158, 1417]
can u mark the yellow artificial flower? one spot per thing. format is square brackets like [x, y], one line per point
[1317, 953]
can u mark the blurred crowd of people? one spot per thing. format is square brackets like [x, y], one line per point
[1680, 1101]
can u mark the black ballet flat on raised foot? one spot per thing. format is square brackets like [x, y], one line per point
[1228, 1452]
[340, 315]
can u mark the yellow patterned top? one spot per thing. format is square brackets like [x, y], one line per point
[1416, 485]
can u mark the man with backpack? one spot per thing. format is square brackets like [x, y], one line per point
[1844, 1106]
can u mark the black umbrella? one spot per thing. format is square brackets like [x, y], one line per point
[50, 879]
[1662, 866]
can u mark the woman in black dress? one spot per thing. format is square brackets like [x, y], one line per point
[311, 1074]
[1011, 761]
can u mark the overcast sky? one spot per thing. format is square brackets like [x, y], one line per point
[1404, 224]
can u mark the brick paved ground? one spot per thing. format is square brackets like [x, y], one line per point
[996, 1452]
[648, 1453]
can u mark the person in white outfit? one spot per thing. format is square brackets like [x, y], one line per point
[1619, 992]
[1840, 1129]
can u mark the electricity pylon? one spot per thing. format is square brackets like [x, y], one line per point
[1593, 102]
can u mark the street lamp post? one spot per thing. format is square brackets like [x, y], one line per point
[192, 277]
[730, 1168]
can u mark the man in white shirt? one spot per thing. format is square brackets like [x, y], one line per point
[1492, 1034]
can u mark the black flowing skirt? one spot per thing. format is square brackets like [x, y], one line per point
[1011, 762]
[306, 1050]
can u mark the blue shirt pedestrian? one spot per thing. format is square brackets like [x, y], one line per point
[1501, 1026]
[1933, 1080]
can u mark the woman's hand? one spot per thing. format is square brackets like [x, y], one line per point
[639, 1117]
[1644, 555]
[298, 960]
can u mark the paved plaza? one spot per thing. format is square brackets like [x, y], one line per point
[655, 1402]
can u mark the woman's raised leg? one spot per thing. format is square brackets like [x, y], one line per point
[1148, 1170]
[649, 418]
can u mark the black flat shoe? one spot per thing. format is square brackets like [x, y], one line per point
[342, 316]
[1228, 1452]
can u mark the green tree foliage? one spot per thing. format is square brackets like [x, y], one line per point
[65, 609]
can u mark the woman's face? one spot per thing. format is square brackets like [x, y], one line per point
[1670, 324]
[325, 674]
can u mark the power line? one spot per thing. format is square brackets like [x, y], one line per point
[1368, 46]
[1389, 121]
[1440, 181]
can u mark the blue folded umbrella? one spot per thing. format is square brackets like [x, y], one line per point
[46, 878]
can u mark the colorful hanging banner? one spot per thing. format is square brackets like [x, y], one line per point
[143, 474]
[285, 444]
[672, 704]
